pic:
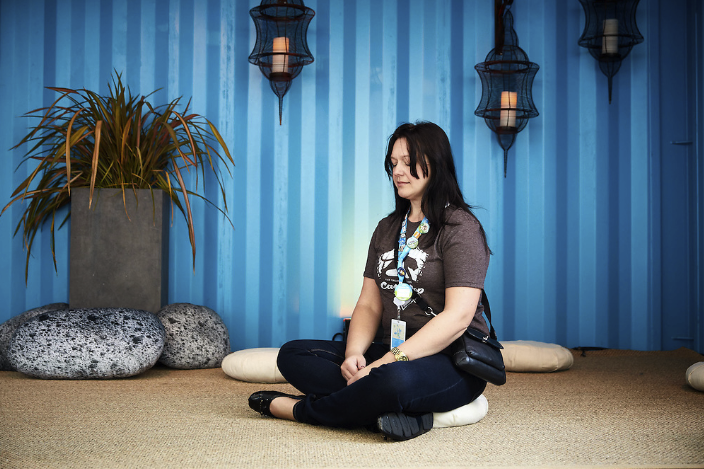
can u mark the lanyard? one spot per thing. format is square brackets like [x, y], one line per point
[403, 291]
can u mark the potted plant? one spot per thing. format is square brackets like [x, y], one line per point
[118, 141]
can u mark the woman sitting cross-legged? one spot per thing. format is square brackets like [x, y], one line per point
[430, 246]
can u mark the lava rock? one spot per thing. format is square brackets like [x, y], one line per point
[8, 328]
[87, 343]
[196, 337]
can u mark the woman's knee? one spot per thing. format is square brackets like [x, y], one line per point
[293, 346]
[289, 351]
[422, 386]
[392, 379]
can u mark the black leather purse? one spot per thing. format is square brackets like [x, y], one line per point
[480, 354]
[475, 352]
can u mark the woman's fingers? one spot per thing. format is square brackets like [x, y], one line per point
[346, 374]
[359, 375]
[352, 365]
[349, 367]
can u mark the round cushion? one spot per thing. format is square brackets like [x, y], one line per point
[538, 357]
[254, 365]
[465, 415]
[695, 376]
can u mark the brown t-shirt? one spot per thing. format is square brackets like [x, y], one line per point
[457, 257]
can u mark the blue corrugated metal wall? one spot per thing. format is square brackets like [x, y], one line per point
[574, 226]
[698, 203]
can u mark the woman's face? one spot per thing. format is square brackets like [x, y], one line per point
[409, 187]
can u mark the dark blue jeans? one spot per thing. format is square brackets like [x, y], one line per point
[428, 384]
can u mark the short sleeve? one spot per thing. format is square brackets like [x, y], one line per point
[464, 252]
[370, 267]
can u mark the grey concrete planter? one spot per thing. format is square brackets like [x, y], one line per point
[116, 261]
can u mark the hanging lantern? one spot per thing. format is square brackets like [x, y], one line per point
[610, 32]
[281, 49]
[507, 82]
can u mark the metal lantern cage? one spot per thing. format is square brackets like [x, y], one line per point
[610, 32]
[281, 49]
[507, 83]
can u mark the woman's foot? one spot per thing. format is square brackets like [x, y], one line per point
[261, 401]
[399, 426]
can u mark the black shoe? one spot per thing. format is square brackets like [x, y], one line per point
[261, 400]
[399, 427]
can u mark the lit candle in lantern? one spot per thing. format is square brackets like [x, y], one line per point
[279, 62]
[508, 109]
[609, 44]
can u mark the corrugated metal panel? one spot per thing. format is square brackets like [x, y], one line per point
[699, 132]
[571, 225]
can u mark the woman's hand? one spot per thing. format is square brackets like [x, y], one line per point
[363, 327]
[352, 365]
[361, 374]
[387, 358]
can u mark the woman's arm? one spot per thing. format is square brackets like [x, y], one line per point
[363, 327]
[465, 258]
[460, 307]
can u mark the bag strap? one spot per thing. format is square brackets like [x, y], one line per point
[487, 313]
[420, 301]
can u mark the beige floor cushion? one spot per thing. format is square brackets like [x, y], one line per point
[254, 365]
[695, 376]
[465, 415]
[536, 357]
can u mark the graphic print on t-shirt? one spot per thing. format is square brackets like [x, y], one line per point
[413, 264]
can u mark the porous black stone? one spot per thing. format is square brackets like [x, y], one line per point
[196, 337]
[87, 344]
[8, 328]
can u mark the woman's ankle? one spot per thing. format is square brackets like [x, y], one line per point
[282, 407]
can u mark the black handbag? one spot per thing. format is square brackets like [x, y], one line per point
[475, 352]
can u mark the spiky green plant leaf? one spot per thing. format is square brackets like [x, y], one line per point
[119, 141]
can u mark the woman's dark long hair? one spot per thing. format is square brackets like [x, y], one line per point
[429, 140]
